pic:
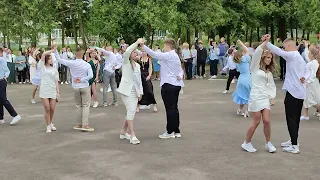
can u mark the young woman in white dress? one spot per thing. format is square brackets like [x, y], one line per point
[33, 71]
[49, 88]
[312, 54]
[263, 92]
[131, 89]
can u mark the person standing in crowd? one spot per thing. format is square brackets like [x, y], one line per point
[131, 90]
[147, 98]
[156, 65]
[11, 58]
[171, 83]
[295, 87]
[262, 95]
[187, 60]
[93, 60]
[4, 73]
[312, 99]
[64, 69]
[21, 67]
[242, 93]
[201, 60]
[81, 72]
[194, 61]
[49, 88]
[247, 44]
[214, 53]
[111, 64]
[120, 61]
[70, 57]
[223, 47]
[231, 66]
[123, 44]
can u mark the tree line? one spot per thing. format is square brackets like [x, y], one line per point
[130, 19]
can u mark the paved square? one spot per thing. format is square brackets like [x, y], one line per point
[209, 149]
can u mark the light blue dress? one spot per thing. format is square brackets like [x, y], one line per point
[242, 93]
[156, 65]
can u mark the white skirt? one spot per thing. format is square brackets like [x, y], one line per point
[313, 95]
[258, 105]
[131, 103]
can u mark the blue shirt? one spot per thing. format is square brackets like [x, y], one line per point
[4, 70]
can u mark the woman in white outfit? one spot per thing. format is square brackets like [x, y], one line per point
[263, 92]
[131, 90]
[312, 55]
[49, 88]
[33, 72]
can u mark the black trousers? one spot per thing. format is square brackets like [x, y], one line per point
[232, 73]
[63, 73]
[170, 96]
[214, 67]
[203, 70]
[4, 101]
[188, 69]
[282, 68]
[118, 77]
[22, 75]
[293, 108]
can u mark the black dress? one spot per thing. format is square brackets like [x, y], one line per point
[148, 96]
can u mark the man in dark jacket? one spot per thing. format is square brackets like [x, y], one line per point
[201, 60]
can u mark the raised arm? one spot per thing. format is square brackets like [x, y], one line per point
[156, 55]
[279, 52]
[65, 62]
[126, 55]
[256, 58]
[244, 47]
[105, 52]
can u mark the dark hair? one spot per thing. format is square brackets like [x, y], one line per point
[1, 50]
[230, 51]
[78, 49]
[46, 59]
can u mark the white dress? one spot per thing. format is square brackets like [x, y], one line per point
[33, 68]
[313, 87]
[263, 88]
[48, 88]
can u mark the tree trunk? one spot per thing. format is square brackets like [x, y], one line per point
[49, 39]
[4, 40]
[179, 32]
[246, 33]
[296, 30]
[188, 36]
[34, 40]
[83, 37]
[272, 30]
[152, 38]
[251, 34]
[282, 32]
[196, 32]
[75, 34]
[149, 34]
[20, 40]
[267, 25]
[228, 36]
[8, 40]
[291, 32]
[62, 34]
[303, 33]
[308, 35]
[258, 33]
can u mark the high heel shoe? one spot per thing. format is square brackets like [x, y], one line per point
[239, 112]
[246, 114]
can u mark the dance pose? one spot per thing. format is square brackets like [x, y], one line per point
[231, 66]
[171, 83]
[313, 95]
[111, 64]
[81, 72]
[4, 73]
[32, 60]
[146, 73]
[49, 88]
[242, 93]
[262, 95]
[95, 66]
[295, 87]
[131, 90]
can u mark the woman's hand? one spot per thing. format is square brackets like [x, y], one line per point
[148, 78]
[272, 102]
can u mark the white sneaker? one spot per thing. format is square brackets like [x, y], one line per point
[211, 78]
[95, 104]
[294, 149]
[144, 107]
[155, 109]
[20, 82]
[248, 147]
[48, 129]
[306, 118]
[167, 136]
[181, 92]
[53, 128]
[101, 89]
[61, 82]
[33, 101]
[15, 120]
[178, 135]
[67, 83]
[269, 146]
[246, 114]
[225, 92]
[134, 140]
[113, 104]
[233, 81]
[239, 112]
[214, 77]
[2, 121]
[125, 136]
[287, 144]
[201, 77]
[204, 76]
[105, 104]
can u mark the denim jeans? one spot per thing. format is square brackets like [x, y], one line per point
[222, 61]
[194, 69]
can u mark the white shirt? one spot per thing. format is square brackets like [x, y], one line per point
[120, 60]
[11, 58]
[78, 69]
[230, 64]
[55, 63]
[111, 61]
[170, 66]
[296, 68]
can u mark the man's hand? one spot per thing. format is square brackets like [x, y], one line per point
[77, 80]
[5, 78]
[140, 41]
[302, 79]
[179, 78]
[263, 38]
[113, 68]
[272, 102]
[267, 37]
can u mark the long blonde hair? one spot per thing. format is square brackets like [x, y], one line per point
[314, 51]
[272, 66]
